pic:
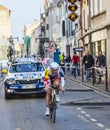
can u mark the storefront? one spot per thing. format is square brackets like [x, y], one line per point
[99, 41]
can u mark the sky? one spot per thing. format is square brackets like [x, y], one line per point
[23, 12]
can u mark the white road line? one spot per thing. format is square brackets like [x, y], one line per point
[83, 112]
[100, 125]
[92, 119]
[107, 129]
[18, 129]
[83, 118]
[79, 108]
[87, 115]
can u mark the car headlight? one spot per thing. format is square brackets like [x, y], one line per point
[10, 81]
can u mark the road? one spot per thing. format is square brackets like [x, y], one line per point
[80, 108]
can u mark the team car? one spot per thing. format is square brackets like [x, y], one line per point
[24, 76]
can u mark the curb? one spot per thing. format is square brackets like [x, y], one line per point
[88, 85]
[79, 90]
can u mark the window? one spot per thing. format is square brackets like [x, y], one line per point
[26, 67]
[96, 7]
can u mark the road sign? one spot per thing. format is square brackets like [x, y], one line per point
[72, 1]
[72, 16]
[72, 7]
[78, 49]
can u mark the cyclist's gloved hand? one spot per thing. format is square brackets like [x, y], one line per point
[62, 89]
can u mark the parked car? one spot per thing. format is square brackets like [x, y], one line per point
[24, 76]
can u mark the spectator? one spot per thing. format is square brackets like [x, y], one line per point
[56, 56]
[62, 61]
[68, 60]
[101, 63]
[88, 61]
[101, 60]
[63, 55]
[75, 61]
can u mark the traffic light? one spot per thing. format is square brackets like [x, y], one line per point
[72, 7]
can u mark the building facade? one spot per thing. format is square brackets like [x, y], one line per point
[5, 31]
[30, 42]
[96, 28]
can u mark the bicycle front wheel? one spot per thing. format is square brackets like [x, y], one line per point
[54, 110]
[54, 116]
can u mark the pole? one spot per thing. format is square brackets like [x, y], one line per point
[27, 49]
[89, 23]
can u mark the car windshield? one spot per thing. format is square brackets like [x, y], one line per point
[26, 67]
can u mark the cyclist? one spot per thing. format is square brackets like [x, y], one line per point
[54, 74]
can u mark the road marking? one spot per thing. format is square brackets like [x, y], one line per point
[18, 129]
[100, 125]
[83, 118]
[79, 108]
[83, 112]
[87, 115]
[92, 119]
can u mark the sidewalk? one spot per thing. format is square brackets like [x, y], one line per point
[100, 87]
[81, 94]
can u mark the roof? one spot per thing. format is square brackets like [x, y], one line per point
[19, 60]
[3, 7]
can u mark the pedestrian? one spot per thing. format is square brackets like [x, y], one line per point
[101, 60]
[62, 61]
[88, 61]
[101, 63]
[63, 55]
[75, 61]
[56, 56]
[68, 61]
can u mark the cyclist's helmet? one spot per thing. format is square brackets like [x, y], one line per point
[54, 66]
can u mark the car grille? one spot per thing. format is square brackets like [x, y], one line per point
[28, 82]
[29, 90]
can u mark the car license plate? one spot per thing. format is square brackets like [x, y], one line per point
[28, 86]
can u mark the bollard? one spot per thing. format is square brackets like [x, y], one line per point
[75, 72]
[82, 74]
[93, 76]
[106, 79]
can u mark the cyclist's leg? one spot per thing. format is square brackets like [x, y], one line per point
[57, 83]
[48, 96]
[48, 100]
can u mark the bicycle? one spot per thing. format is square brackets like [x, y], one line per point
[98, 75]
[53, 104]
